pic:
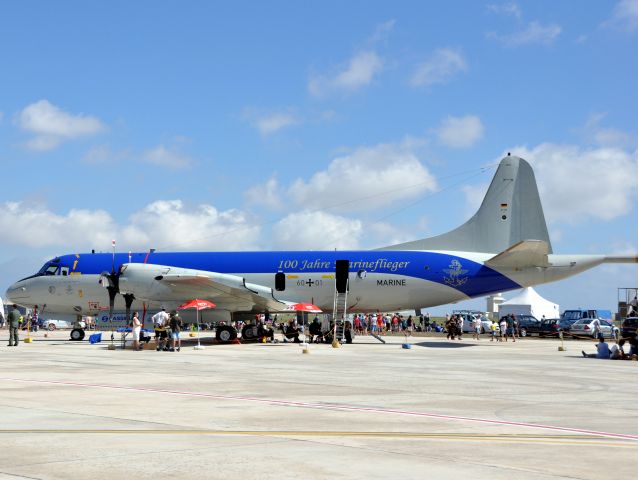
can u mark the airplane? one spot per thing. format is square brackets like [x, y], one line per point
[504, 246]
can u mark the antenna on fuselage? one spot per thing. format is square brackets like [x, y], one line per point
[113, 264]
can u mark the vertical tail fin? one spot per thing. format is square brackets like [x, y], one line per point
[511, 212]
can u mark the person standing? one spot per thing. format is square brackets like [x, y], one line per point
[514, 326]
[459, 326]
[503, 328]
[494, 329]
[160, 320]
[137, 328]
[176, 327]
[13, 321]
[477, 328]
[596, 328]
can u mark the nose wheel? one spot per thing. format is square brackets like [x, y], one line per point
[77, 334]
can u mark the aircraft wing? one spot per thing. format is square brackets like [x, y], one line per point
[229, 292]
[526, 253]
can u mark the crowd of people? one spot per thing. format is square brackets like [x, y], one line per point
[622, 349]
[383, 323]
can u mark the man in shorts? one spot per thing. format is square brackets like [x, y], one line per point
[176, 325]
[160, 323]
[476, 326]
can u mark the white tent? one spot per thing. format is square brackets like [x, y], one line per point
[528, 302]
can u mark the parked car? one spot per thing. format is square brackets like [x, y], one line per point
[566, 324]
[550, 327]
[468, 322]
[585, 326]
[53, 324]
[628, 327]
[528, 325]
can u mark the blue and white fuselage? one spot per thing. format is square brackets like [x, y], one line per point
[504, 246]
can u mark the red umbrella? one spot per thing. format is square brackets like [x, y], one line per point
[304, 307]
[198, 304]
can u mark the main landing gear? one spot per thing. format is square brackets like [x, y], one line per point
[225, 334]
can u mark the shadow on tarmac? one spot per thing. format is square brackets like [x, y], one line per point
[443, 344]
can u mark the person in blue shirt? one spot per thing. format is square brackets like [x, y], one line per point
[602, 350]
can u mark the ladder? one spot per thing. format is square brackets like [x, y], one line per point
[340, 306]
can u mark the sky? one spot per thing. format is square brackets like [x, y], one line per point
[313, 125]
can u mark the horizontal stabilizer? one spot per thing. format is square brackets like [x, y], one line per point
[527, 253]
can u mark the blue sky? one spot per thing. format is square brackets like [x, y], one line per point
[313, 125]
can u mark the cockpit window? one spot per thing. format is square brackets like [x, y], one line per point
[51, 270]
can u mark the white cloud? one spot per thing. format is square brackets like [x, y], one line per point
[270, 123]
[509, 8]
[267, 195]
[317, 231]
[606, 136]
[474, 195]
[382, 32]
[51, 125]
[439, 68]
[367, 178]
[535, 33]
[103, 154]
[164, 157]
[577, 184]
[36, 226]
[170, 224]
[359, 72]
[624, 16]
[161, 224]
[460, 132]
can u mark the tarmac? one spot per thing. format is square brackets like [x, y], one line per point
[441, 409]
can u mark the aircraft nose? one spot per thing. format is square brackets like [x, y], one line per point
[17, 293]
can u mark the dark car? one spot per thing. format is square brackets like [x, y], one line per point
[628, 327]
[528, 325]
[566, 323]
[550, 327]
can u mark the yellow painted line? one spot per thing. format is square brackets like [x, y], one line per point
[327, 276]
[293, 276]
[508, 438]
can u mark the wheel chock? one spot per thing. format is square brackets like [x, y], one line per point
[28, 340]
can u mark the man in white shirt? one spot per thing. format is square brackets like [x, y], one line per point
[160, 321]
[476, 326]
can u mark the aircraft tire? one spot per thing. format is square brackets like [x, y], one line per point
[225, 334]
[77, 334]
[247, 333]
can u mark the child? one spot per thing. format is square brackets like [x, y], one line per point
[495, 330]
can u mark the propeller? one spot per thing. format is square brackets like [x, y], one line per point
[111, 281]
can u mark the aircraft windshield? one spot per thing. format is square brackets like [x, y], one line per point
[52, 268]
